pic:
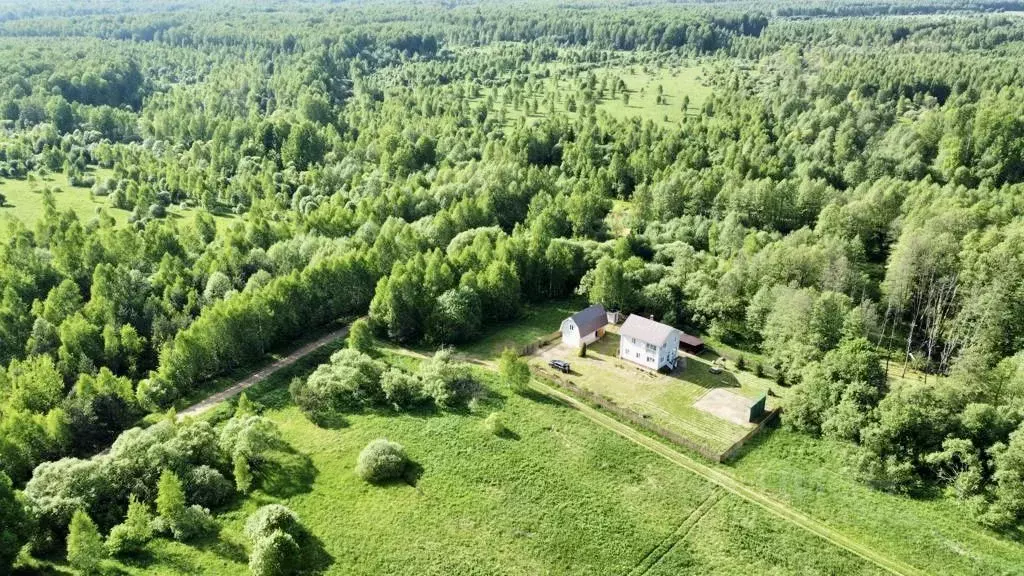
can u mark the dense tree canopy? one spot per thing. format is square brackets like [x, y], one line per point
[835, 188]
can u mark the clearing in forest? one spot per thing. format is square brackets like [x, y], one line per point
[558, 494]
[667, 400]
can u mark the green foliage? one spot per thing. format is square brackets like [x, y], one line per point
[243, 473]
[382, 461]
[131, 535]
[360, 336]
[514, 371]
[447, 382]
[401, 389]
[273, 555]
[15, 522]
[494, 424]
[170, 499]
[269, 519]
[85, 547]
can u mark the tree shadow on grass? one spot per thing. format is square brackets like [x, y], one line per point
[413, 473]
[229, 550]
[288, 473]
[315, 558]
[540, 398]
[507, 434]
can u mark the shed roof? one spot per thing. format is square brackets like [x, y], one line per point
[690, 340]
[590, 319]
[646, 330]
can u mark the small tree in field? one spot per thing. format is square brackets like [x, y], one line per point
[360, 336]
[382, 461]
[85, 547]
[582, 350]
[494, 425]
[514, 371]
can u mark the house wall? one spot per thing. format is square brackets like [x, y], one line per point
[570, 333]
[638, 352]
[572, 337]
[648, 355]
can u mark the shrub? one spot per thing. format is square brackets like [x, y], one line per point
[208, 487]
[741, 362]
[494, 424]
[447, 382]
[273, 555]
[514, 371]
[582, 350]
[360, 336]
[401, 389]
[381, 461]
[758, 370]
[183, 522]
[194, 521]
[272, 518]
[132, 534]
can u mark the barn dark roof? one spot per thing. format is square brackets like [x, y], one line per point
[590, 319]
[690, 340]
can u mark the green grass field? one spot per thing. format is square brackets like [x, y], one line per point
[676, 83]
[559, 495]
[816, 477]
[667, 400]
[25, 198]
[25, 202]
[536, 321]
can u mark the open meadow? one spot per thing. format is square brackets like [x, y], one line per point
[556, 494]
[25, 203]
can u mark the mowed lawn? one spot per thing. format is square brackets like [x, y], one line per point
[667, 400]
[559, 495]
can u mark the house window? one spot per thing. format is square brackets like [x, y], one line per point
[652, 348]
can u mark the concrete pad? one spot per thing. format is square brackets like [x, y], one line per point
[726, 405]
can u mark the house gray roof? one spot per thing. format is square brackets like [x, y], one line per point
[590, 319]
[646, 330]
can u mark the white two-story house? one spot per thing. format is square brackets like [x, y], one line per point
[648, 343]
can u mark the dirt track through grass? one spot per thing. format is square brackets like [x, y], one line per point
[651, 559]
[732, 485]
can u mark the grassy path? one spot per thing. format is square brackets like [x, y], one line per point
[262, 374]
[679, 534]
[730, 484]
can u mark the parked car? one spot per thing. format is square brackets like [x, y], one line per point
[561, 365]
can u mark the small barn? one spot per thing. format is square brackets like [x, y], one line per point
[585, 326]
[691, 343]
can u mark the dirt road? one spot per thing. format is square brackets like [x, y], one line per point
[262, 374]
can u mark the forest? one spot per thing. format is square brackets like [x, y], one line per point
[837, 189]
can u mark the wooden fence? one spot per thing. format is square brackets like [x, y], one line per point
[630, 416]
[637, 419]
[541, 342]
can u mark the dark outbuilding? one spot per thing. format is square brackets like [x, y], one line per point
[691, 343]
